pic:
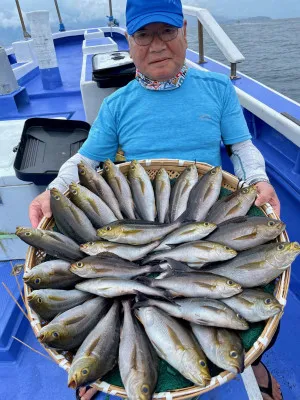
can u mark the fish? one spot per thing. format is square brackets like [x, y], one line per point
[194, 285]
[98, 353]
[197, 252]
[204, 195]
[126, 251]
[207, 312]
[181, 190]
[175, 344]
[69, 219]
[221, 346]
[113, 287]
[69, 329]
[242, 233]
[50, 302]
[142, 191]
[53, 243]
[135, 234]
[95, 182]
[162, 194]
[118, 183]
[108, 265]
[254, 305]
[54, 274]
[138, 361]
[187, 233]
[258, 266]
[92, 205]
[237, 204]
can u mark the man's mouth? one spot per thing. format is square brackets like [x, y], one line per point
[159, 61]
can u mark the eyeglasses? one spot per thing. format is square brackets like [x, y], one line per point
[145, 37]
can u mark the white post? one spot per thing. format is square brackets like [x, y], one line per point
[44, 48]
[8, 82]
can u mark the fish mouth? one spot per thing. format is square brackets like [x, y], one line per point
[42, 337]
[30, 297]
[73, 382]
[26, 278]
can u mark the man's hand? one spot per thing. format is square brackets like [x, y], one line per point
[267, 194]
[39, 208]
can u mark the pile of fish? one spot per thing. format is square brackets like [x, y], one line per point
[99, 297]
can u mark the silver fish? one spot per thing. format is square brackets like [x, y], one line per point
[162, 194]
[200, 311]
[98, 354]
[198, 252]
[243, 233]
[187, 233]
[195, 285]
[135, 234]
[126, 251]
[137, 360]
[181, 190]
[236, 204]
[50, 302]
[254, 305]
[204, 195]
[109, 265]
[53, 243]
[142, 191]
[118, 182]
[69, 219]
[175, 344]
[68, 330]
[54, 274]
[221, 346]
[258, 266]
[96, 183]
[93, 206]
[113, 287]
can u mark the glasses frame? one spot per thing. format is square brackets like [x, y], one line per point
[156, 33]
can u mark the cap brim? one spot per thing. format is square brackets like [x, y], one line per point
[167, 18]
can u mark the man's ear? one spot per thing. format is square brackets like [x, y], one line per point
[128, 40]
[184, 30]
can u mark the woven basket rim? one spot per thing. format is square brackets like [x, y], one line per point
[281, 291]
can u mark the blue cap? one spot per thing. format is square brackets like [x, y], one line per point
[142, 12]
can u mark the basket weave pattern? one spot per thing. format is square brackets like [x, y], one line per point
[174, 168]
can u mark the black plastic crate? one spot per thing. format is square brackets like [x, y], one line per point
[45, 145]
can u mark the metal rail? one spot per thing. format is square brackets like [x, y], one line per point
[224, 43]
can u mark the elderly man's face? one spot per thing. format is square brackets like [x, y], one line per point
[160, 60]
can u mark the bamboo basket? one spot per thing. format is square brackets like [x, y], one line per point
[174, 168]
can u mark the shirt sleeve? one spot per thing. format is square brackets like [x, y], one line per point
[234, 128]
[102, 142]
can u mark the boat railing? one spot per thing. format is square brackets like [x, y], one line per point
[224, 43]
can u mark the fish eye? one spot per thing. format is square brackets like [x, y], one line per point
[268, 301]
[79, 264]
[271, 223]
[206, 224]
[37, 281]
[202, 363]
[27, 233]
[245, 190]
[239, 316]
[55, 334]
[82, 171]
[280, 247]
[229, 282]
[57, 197]
[213, 171]
[227, 248]
[91, 243]
[84, 371]
[74, 191]
[233, 354]
[39, 300]
[108, 228]
[145, 389]
[106, 168]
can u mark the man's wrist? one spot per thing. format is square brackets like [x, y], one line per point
[257, 180]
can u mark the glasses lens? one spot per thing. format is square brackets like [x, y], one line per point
[144, 38]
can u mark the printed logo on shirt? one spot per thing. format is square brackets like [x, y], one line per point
[205, 116]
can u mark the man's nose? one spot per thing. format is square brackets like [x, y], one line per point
[157, 44]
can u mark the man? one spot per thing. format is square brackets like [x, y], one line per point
[169, 111]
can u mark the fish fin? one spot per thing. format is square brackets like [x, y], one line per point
[235, 220]
[186, 187]
[93, 205]
[117, 179]
[204, 285]
[187, 232]
[161, 187]
[175, 339]
[57, 298]
[146, 281]
[133, 358]
[92, 346]
[75, 214]
[130, 231]
[74, 320]
[251, 235]
[233, 209]
[142, 184]
[252, 266]
[207, 193]
[55, 237]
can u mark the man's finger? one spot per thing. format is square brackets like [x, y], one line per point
[261, 199]
[276, 205]
[35, 215]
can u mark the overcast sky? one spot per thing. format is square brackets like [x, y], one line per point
[87, 13]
